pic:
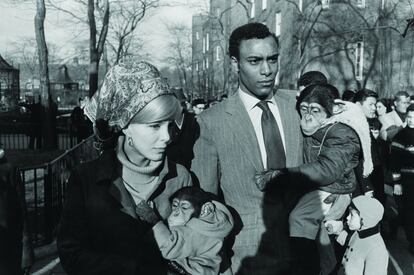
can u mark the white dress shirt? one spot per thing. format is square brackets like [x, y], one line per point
[255, 114]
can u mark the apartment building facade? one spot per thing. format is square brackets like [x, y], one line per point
[356, 43]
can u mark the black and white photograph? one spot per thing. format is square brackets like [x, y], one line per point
[206, 137]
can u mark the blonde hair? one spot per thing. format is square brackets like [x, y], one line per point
[161, 108]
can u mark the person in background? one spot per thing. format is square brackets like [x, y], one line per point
[383, 107]
[394, 121]
[366, 99]
[199, 105]
[100, 231]
[311, 78]
[16, 251]
[402, 167]
[184, 133]
[348, 95]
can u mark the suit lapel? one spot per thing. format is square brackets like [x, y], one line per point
[243, 130]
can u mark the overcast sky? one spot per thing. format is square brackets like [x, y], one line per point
[17, 22]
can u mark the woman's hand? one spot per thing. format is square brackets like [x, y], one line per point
[147, 213]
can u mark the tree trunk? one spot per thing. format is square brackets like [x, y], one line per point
[49, 111]
[96, 49]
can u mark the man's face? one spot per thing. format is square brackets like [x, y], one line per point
[410, 119]
[402, 103]
[368, 106]
[257, 66]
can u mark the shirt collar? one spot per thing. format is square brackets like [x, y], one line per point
[250, 101]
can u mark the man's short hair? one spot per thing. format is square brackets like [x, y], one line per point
[363, 94]
[245, 32]
[399, 94]
[311, 78]
[348, 95]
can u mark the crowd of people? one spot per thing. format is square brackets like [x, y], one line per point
[265, 182]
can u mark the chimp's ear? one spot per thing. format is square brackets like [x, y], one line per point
[207, 209]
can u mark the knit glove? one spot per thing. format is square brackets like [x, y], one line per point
[264, 179]
[147, 213]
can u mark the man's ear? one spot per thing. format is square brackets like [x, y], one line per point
[235, 64]
[125, 131]
[207, 209]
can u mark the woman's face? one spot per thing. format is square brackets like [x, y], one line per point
[150, 140]
[381, 109]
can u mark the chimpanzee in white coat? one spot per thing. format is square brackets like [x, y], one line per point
[195, 233]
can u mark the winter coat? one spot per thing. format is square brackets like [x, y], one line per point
[330, 156]
[365, 254]
[402, 156]
[195, 246]
[100, 232]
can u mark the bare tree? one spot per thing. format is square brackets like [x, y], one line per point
[48, 129]
[180, 53]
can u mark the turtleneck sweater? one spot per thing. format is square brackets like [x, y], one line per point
[139, 181]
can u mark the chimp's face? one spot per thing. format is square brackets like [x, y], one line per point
[182, 212]
[313, 116]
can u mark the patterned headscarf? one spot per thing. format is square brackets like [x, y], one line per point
[127, 88]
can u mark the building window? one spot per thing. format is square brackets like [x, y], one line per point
[206, 62]
[278, 23]
[300, 5]
[207, 42]
[204, 65]
[359, 60]
[253, 9]
[217, 53]
[218, 13]
[325, 4]
[197, 36]
[360, 3]
[196, 66]
[204, 45]
[264, 4]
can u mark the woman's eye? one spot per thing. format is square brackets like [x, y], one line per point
[155, 126]
[253, 62]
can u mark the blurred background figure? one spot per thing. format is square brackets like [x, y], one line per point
[310, 78]
[198, 105]
[348, 95]
[16, 253]
[394, 121]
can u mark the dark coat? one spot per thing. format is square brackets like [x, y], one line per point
[100, 233]
[15, 247]
[330, 156]
[181, 148]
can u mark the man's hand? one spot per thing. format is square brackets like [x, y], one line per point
[334, 227]
[146, 213]
[263, 179]
[398, 189]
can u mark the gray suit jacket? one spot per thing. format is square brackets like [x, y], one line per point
[226, 158]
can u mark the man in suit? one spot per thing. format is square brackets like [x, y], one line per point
[394, 121]
[234, 145]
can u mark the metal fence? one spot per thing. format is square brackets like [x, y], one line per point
[19, 135]
[45, 189]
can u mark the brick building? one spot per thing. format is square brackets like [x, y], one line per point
[356, 43]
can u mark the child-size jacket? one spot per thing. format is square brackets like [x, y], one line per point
[332, 152]
[195, 246]
[365, 255]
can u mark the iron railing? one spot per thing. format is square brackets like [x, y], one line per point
[45, 189]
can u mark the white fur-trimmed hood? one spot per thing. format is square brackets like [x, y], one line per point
[350, 114]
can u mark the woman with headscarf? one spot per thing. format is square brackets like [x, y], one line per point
[100, 231]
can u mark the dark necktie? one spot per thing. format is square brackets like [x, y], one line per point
[272, 138]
